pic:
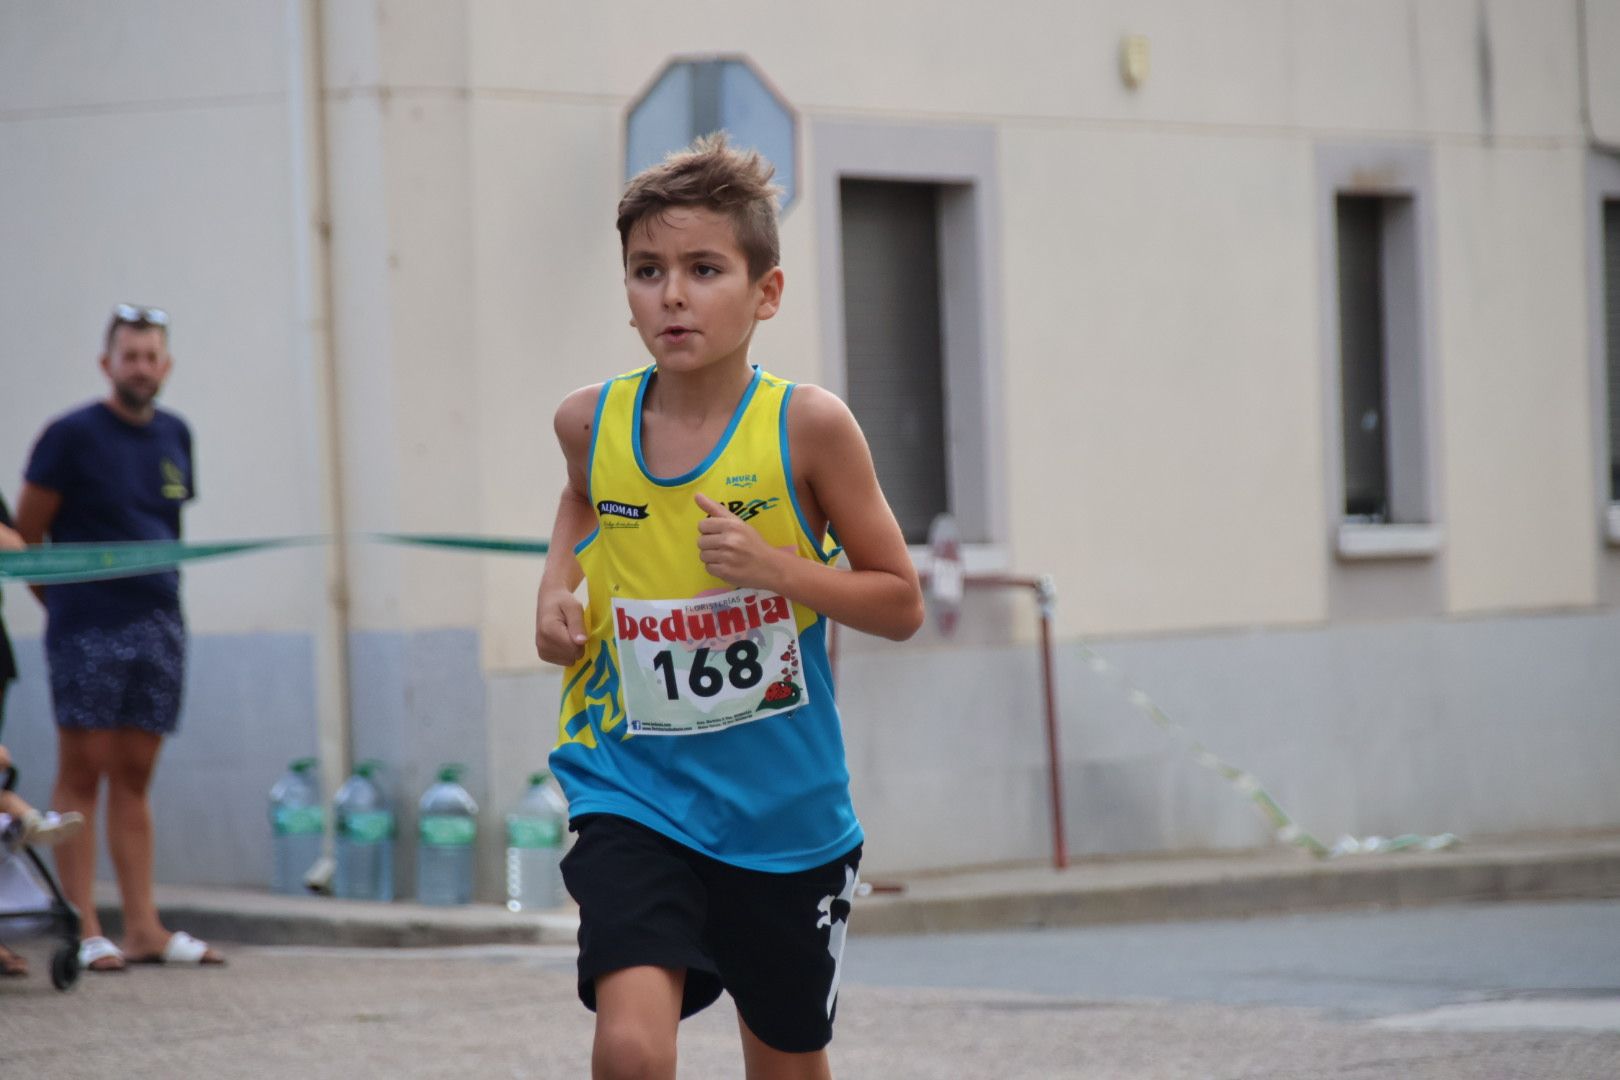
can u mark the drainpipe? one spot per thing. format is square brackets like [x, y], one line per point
[316, 352]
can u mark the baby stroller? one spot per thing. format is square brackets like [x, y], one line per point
[32, 903]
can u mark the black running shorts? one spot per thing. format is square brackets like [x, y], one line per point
[773, 941]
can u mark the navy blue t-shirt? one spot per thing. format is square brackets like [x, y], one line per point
[118, 481]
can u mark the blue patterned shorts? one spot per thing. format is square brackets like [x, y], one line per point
[127, 677]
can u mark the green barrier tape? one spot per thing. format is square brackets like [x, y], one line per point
[64, 564]
[1285, 827]
[61, 564]
[510, 546]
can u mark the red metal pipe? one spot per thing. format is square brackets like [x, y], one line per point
[1054, 756]
[1045, 598]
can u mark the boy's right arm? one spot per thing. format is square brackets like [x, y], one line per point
[559, 621]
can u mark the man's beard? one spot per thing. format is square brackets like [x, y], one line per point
[134, 399]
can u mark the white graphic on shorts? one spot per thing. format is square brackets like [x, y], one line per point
[835, 916]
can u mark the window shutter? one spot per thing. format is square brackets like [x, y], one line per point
[895, 375]
[1365, 416]
[1611, 322]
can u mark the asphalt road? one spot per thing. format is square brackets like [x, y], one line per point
[1352, 965]
[1330, 996]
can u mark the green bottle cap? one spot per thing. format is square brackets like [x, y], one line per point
[303, 765]
[539, 778]
[449, 774]
[368, 768]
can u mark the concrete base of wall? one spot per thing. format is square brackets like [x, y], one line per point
[1478, 727]
[1487, 726]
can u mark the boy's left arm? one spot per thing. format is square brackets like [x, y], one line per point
[879, 593]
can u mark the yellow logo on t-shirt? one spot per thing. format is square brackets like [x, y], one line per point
[174, 482]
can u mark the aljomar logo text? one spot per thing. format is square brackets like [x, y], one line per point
[607, 508]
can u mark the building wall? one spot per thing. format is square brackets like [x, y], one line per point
[146, 155]
[385, 232]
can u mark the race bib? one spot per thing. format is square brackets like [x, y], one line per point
[693, 666]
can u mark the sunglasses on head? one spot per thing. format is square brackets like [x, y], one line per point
[140, 316]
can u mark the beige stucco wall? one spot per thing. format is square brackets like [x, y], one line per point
[1521, 521]
[447, 199]
[1163, 367]
[1158, 272]
[144, 156]
[1163, 377]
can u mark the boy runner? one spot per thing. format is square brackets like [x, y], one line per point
[699, 743]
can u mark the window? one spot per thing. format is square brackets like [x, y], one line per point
[1611, 336]
[1376, 327]
[895, 379]
[1603, 305]
[696, 96]
[1364, 405]
[909, 257]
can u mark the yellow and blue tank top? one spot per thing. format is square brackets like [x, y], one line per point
[761, 782]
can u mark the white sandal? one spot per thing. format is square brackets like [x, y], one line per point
[182, 950]
[41, 829]
[96, 948]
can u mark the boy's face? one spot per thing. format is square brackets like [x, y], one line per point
[690, 296]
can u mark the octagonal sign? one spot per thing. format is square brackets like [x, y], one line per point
[697, 96]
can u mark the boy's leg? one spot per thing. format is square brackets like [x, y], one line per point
[764, 1063]
[642, 966]
[82, 759]
[778, 940]
[638, 1011]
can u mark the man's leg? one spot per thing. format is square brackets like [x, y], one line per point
[129, 837]
[10, 962]
[638, 1012]
[764, 1063]
[131, 843]
[82, 759]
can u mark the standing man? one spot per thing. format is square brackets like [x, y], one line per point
[116, 469]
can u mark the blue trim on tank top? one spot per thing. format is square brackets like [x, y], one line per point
[590, 458]
[714, 455]
[787, 469]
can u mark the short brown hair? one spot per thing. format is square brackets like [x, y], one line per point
[712, 174]
[139, 317]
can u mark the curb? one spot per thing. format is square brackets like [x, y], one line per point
[1389, 882]
[255, 918]
[1089, 894]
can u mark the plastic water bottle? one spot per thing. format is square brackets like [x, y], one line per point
[534, 842]
[363, 831]
[297, 826]
[447, 827]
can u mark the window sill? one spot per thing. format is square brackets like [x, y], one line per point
[1614, 524]
[1361, 542]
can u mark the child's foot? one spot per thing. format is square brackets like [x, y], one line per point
[50, 827]
[11, 964]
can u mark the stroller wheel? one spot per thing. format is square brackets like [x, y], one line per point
[65, 967]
